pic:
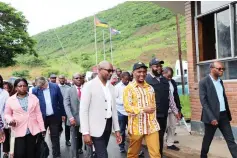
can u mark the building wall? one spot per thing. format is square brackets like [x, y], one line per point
[230, 86]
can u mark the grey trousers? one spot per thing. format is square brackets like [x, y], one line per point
[75, 140]
[171, 126]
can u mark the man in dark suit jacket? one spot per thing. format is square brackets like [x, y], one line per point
[215, 109]
[72, 106]
[162, 96]
[51, 105]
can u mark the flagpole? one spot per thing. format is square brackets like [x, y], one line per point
[111, 47]
[104, 42]
[96, 54]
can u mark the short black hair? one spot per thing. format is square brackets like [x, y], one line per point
[167, 69]
[19, 80]
[1, 82]
[125, 74]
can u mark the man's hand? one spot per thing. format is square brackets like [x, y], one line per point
[214, 122]
[149, 109]
[2, 136]
[12, 123]
[178, 116]
[43, 133]
[87, 139]
[118, 137]
[63, 118]
[73, 122]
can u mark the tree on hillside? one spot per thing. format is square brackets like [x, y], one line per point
[14, 38]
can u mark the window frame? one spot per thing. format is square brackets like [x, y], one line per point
[232, 15]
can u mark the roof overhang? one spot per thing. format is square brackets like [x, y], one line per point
[177, 7]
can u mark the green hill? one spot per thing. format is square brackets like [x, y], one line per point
[146, 30]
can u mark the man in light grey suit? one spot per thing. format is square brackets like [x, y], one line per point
[72, 106]
[98, 113]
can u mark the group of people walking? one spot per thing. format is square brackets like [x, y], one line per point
[143, 104]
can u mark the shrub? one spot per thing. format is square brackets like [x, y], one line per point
[22, 73]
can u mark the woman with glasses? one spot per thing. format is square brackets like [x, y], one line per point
[23, 113]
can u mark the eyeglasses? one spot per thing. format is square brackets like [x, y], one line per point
[219, 69]
[22, 86]
[109, 70]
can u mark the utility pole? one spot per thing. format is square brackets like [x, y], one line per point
[180, 53]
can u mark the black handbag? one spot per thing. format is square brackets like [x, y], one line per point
[42, 149]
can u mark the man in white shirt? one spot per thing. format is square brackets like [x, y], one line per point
[98, 113]
[122, 114]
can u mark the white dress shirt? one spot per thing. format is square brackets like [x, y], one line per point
[119, 88]
[47, 98]
[108, 98]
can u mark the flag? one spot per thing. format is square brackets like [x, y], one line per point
[100, 23]
[114, 31]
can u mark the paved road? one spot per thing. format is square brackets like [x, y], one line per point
[113, 149]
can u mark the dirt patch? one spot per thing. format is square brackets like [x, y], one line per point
[145, 30]
[169, 55]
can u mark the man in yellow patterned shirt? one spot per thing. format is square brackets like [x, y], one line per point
[139, 103]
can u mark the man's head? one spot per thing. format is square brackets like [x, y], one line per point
[53, 78]
[41, 82]
[168, 73]
[139, 72]
[156, 66]
[33, 83]
[118, 72]
[78, 79]
[105, 70]
[217, 68]
[125, 78]
[62, 79]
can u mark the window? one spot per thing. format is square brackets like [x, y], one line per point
[210, 5]
[223, 34]
[216, 32]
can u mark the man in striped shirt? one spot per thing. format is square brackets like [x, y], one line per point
[139, 103]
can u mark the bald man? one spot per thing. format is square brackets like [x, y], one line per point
[98, 111]
[72, 101]
[215, 111]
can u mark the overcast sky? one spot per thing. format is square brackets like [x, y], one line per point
[46, 14]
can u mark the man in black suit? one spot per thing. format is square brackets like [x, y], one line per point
[163, 97]
[215, 111]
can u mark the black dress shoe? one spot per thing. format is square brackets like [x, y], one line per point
[80, 151]
[173, 147]
[68, 143]
[176, 142]
[5, 155]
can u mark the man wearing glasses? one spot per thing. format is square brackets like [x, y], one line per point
[51, 105]
[215, 109]
[98, 111]
[72, 101]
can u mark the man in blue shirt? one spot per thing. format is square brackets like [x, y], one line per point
[51, 105]
[215, 109]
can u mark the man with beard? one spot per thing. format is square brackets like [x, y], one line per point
[63, 87]
[72, 105]
[122, 114]
[139, 103]
[164, 99]
[96, 121]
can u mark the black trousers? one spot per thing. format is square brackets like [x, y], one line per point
[163, 123]
[25, 146]
[67, 130]
[6, 143]
[225, 128]
[53, 123]
[101, 143]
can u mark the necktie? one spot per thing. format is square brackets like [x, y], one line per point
[79, 92]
